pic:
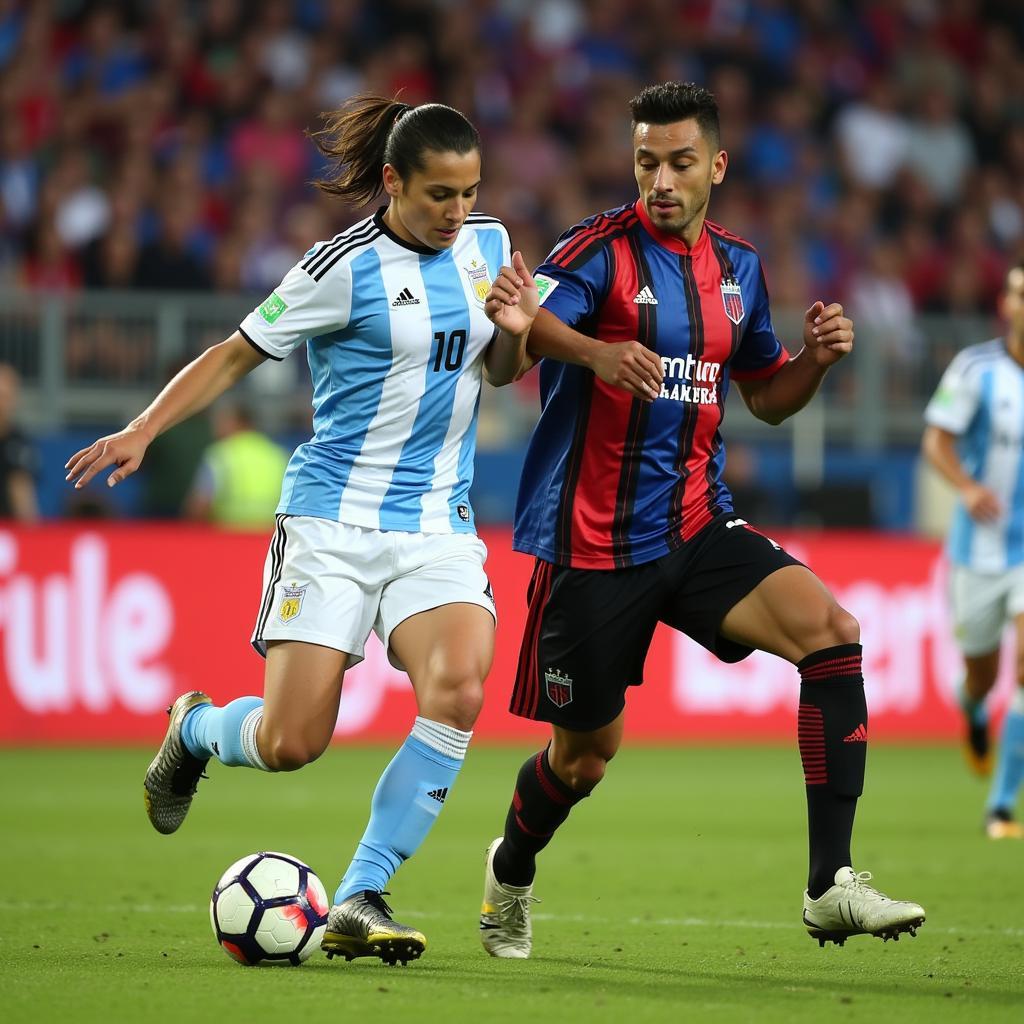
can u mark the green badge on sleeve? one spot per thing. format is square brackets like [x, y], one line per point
[545, 286]
[272, 308]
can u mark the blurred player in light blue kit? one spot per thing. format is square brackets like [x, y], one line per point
[402, 315]
[975, 439]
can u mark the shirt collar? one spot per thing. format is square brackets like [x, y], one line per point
[671, 242]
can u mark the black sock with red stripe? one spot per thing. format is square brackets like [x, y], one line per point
[540, 803]
[833, 737]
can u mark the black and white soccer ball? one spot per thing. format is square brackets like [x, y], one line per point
[269, 908]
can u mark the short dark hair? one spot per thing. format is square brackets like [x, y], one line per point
[669, 102]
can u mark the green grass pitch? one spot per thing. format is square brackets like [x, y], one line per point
[672, 895]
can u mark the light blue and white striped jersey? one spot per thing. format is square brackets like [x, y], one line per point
[981, 399]
[395, 335]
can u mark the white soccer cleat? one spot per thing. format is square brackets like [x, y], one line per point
[505, 929]
[852, 907]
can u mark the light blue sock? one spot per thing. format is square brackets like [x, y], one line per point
[1010, 763]
[227, 733]
[406, 803]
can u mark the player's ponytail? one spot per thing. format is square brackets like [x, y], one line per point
[367, 132]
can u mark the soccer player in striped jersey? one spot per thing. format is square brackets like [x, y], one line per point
[647, 312]
[402, 315]
[975, 439]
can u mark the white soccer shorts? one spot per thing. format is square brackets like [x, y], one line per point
[330, 583]
[983, 602]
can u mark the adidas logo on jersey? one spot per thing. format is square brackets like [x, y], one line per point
[645, 297]
[439, 794]
[406, 298]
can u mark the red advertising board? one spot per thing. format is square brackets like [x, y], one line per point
[101, 626]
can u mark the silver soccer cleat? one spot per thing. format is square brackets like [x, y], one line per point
[362, 926]
[505, 929]
[852, 907]
[174, 774]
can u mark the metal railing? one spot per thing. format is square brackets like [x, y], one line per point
[99, 357]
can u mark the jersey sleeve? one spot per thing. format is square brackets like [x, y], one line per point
[956, 399]
[575, 292]
[301, 307]
[760, 353]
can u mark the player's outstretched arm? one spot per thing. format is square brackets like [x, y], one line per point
[627, 365]
[939, 447]
[512, 305]
[828, 337]
[193, 389]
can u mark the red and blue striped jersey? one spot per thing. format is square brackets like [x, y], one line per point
[610, 481]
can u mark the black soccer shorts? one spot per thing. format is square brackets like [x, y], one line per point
[588, 630]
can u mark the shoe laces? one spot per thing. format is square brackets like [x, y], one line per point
[859, 882]
[514, 910]
[377, 901]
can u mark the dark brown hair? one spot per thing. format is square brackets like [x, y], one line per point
[367, 132]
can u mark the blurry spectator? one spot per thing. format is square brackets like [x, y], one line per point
[172, 261]
[112, 262]
[48, 264]
[883, 309]
[238, 483]
[19, 462]
[873, 136]
[940, 151]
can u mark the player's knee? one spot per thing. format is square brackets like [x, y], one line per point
[290, 753]
[455, 700]
[585, 771]
[843, 627]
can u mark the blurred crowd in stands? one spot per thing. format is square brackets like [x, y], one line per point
[876, 148]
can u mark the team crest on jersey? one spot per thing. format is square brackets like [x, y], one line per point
[479, 279]
[559, 687]
[732, 299]
[291, 602]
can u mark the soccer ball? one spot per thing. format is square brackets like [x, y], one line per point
[269, 908]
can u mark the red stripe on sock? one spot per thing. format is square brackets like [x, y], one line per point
[811, 740]
[529, 831]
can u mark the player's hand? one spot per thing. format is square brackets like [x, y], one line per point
[123, 449]
[828, 335]
[513, 300]
[982, 504]
[630, 366]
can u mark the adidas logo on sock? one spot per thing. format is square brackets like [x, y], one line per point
[406, 298]
[439, 794]
[859, 735]
[645, 297]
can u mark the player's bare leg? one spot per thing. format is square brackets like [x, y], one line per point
[792, 614]
[447, 652]
[301, 695]
[980, 672]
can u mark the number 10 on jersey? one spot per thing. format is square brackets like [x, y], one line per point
[450, 349]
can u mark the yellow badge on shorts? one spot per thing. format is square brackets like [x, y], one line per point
[479, 279]
[291, 603]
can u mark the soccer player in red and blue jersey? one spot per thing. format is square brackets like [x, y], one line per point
[647, 313]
